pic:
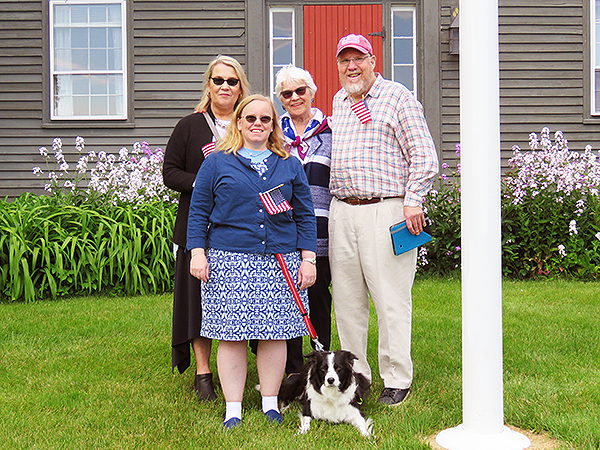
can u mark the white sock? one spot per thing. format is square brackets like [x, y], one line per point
[233, 409]
[269, 403]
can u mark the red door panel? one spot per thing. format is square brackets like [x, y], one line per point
[324, 25]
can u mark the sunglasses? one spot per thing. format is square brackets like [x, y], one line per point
[230, 81]
[251, 118]
[299, 92]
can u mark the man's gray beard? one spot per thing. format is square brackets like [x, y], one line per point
[356, 89]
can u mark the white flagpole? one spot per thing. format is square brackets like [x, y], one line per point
[483, 403]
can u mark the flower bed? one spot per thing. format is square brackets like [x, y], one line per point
[550, 214]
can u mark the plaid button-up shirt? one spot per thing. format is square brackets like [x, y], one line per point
[393, 155]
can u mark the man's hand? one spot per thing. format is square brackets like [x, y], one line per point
[415, 219]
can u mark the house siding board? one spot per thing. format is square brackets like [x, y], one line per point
[172, 44]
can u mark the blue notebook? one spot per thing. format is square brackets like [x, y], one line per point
[403, 240]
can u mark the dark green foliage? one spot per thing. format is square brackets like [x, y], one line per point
[51, 247]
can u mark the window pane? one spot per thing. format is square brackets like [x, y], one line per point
[404, 75]
[114, 60]
[282, 24]
[99, 84]
[98, 59]
[62, 38]
[99, 106]
[81, 85]
[61, 14]
[403, 25]
[81, 106]
[79, 14]
[62, 60]
[63, 106]
[403, 51]
[98, 14]
[114, 14]
[62, 85]
[282, 52]
[98, 38]
[114, 37]
[79, 60]
[115, 84]
[79, 37]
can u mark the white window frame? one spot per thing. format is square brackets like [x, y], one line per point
[123, 71]
[594, 64]
[413, 11]
[272, 39]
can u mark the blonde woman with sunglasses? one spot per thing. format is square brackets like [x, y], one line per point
[193, 138]
[251, 201]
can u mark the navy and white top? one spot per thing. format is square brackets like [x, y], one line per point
[226, 212]
[313, 149]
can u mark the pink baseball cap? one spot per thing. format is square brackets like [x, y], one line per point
[357, 41]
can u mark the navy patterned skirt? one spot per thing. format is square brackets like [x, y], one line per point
[247, 297]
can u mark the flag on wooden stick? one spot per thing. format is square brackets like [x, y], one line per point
[274, 201]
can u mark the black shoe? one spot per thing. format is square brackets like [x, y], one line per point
[391, 396]
[203, 385]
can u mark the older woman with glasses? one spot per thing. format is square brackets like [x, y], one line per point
[251, 202]
[193, 138]
[308, 138]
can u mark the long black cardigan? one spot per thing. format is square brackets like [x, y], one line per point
[183, 158]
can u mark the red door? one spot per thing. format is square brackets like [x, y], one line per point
[324, 25]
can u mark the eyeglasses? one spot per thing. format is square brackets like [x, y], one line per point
[358, 60]
[299, 92]
[250, 118]
[230, 81]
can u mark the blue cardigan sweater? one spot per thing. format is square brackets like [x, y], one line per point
[226, 212]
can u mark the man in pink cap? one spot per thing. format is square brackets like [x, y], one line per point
[383, 163]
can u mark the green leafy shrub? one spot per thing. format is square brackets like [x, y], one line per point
[50, 247]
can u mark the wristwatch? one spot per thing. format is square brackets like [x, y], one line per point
[313, 261]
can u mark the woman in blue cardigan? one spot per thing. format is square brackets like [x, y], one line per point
[250, 202]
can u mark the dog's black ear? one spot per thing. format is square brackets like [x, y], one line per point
[349, 356]
[312, 357]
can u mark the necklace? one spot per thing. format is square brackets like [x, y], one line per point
[222, 123]
[254, 153]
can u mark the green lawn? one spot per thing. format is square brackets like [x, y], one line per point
[87, 373]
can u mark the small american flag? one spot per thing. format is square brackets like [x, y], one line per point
[274, 201]
[361, 110]
[209, 148]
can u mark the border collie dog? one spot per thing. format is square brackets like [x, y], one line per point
[328, 388]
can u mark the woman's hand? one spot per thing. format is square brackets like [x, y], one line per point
[307, 274]
[199, 264]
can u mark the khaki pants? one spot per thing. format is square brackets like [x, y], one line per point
[363, 263]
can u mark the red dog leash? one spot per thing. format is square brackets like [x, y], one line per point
[288, 277]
